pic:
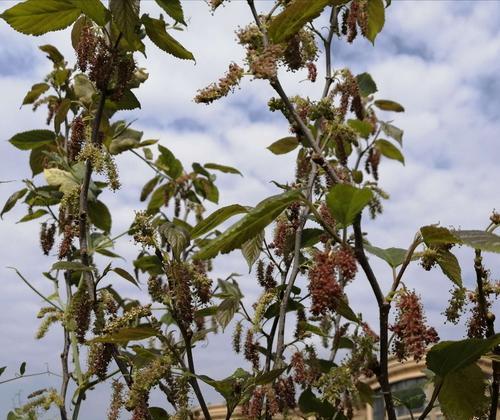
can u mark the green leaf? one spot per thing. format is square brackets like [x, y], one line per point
[392, 131]
[22, 368]
[32, 139]
[2, 370]
[149, 187]
[216, 218]
[437, 235]
[94, 10]
[342, 308]
[62, 112]
[463, 394]
[173, 9]
[310, 237]
[366, 84]
[35, 92]
[125, 140]
[365, 392]
[250, 225]
[309, 403]
[450, 356]
[125, 335]
[125, 274]
[150, 264]
[53, 54]
[296, 14]
[37, 159]
[62, 179]
[157, 413]
[450, 266]
[155, 29]
[363, 128]
[126, 17]
[168, 162]
[84, 89]
[268, 377]
[32, 216]
[176, 236]
[36, 17]
[284, 145]
[206, 189]
[200, 169]
[222, 168]
[70, 265]
[100, 215]
[393, 256]
[389, 150]
[479, 239]
[346, 202]
[251, 249]
[226, 311]
[128, 101]
[376, 18]
[157, 199]
[386, 105]
[12, 200]
[411, 398]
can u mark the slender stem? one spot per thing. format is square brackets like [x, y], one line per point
[280, 344]
[409, 254]
[15, 378]
[152, 166]
[430, 405]
[65, 353]
[35, 290]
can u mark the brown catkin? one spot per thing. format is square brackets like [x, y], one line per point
[117, 401]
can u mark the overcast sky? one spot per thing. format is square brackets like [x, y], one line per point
[440, 59]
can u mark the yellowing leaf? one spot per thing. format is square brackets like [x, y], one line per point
[62, 179]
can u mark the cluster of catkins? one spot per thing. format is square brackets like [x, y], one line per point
[412, 335]
[284, 231]
[109, 69]
[223, 87]
[355, 16]
[324, 287]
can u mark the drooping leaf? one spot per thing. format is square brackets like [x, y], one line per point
[342, 308]
[450, 356]
[149, 187]
[393, 256]
[125, 335]
[32, 216]
[32, 139]
[206, 189]
[392, 131]
[62, 179]
[62, 112]
[53, 54]
[12, 200]
[268, 377]
[450, 266]
[376, 18]
[22, 368]
[216, 218]
[126, 139]
[296, 14]
[173, 9]
[70, 265]
[168, 162]
[223, 168]
[310, 237]
[309, 404]
[150, 264]
[463, 395]
[95, 10]
[389, 150]
[35, 92]
[84, 89]
[125, 274]
[128, 101]
[158, 413]
[478, 239]
[366, 84]
[346, 202]
[363, 128]
[176, 236]
[437, 235]
[36, 17]
[386, 105]
[100, 215]
[155, 28]
[250, 225]
[251, 249]
[126, 17]
[2, 370]
[284, 145]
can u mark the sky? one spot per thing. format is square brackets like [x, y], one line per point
[440, 59]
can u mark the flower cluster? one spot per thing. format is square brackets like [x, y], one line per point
[349, 93]
[223, 87]
[354, 16]
[50, 315]
[455, 305]
[412, 335]
[323, 285]
[117, 401]
[346, 263]
[237, 337]
[99, 358]
[265, 276]
[78, 135]
[47, 237]
[284, 389]
[250, 350]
